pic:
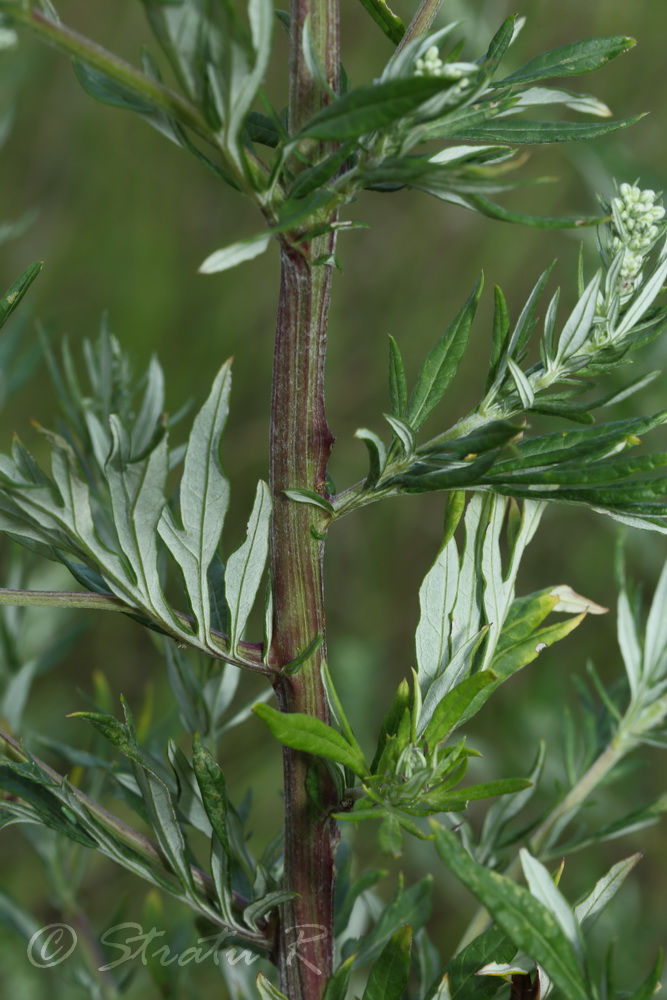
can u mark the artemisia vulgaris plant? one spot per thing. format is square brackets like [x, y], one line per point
[446, 119]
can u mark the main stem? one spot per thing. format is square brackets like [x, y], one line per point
[301, 443]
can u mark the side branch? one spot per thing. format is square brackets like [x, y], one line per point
[100, 59]
[252, 652]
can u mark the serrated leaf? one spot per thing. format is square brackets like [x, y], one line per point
[307, 733]
[440, 364]
[246, 566]
[525, 920]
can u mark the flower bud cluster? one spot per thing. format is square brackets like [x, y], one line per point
[634, 230]
[431, 65]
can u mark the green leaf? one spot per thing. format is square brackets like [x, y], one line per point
[437, 596]
[390, 723]
[517, 655]
[390, 23]
[398, 386]
[213, 789]
[499, 45]
[336, 988]
[305, 732]
[488, 789]
[577, 328]
[263, 129]
[412, 906]
[109, 91]
[236, 253]
[491, 946]
[368, 108]
[501, 327]
[525, 920]
[403, 433]
[390, 838]
[357, 888]
[310, 497]
[37, 804]
[377, 454]
[388, 977]
[452, 707]
[295, 665]
[571, 60]
[478, 203]
[246, 566]
[316, 177]
[488, 437]
[522, 132]
[523, 386]
[590, 908]
[203, 502]
[17, 290]
[440, 364]
[650, 985]
[267, 990]
[542, 886]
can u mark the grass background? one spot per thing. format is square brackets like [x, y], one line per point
[125, 219]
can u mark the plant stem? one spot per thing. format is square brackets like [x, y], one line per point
[300, 446]
[422, 21]
[301, 443]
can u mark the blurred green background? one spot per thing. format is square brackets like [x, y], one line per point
[125, 218]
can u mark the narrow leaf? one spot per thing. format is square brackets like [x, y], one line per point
[235, 254]
[440, 364]
[246, 566]
[523, 918]
[305, 732]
